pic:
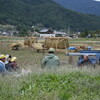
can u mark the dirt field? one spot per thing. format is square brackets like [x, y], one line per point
[27, 57]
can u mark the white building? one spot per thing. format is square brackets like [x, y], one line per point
[46, 33]
[59, 34]
[4, 34]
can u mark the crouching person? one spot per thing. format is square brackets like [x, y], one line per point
[50, 61]
[7, 62]
[13, 64]
[2, 65]
[86, 61]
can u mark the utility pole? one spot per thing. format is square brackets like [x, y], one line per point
[68, 31]
[33, 30]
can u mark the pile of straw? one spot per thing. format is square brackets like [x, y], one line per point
[37, 46]
[57, 42]
[81, 47]
[30, 40]
[15, 46]
[78, 48]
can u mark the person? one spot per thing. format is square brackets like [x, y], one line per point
[2, 65]
[7, 63]
[85, 61]
[13, 64]
[50, 61]
[8, 59]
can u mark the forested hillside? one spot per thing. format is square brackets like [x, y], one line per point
[45, 12]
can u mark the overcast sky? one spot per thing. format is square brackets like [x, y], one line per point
[96, 0]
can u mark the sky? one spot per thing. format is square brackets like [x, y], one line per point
[97, 0]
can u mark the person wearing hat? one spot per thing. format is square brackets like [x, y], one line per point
[50, 61]
[13, 64]
[2, 65]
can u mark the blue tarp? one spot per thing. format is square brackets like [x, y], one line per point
[89, 48]
[72, 48]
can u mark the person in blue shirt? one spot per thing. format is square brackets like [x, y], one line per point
[85, 61]
[2, 65]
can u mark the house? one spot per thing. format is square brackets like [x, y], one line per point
[59, 34]
[46, 33]
[97, 35]
[4, 33]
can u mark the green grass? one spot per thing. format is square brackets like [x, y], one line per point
[55, 85]
[85, 39]
[11, 38]
[71, 40]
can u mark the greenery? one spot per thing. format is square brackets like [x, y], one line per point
[26, 13]
[75, 85]
[84, 40]
[92, 34]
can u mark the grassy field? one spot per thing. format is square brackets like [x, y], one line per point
[27, 56]
[85, 39]
[63, 84]
[66, 83]
[94, 42]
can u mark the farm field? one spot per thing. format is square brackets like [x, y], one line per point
[66, 83]
[93, 42]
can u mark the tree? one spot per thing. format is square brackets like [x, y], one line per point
[85, 33]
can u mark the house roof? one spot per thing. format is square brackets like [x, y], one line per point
[44, 30]
[58, 32]
[97, 34]
[4, 33]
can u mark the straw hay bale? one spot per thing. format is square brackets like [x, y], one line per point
[37, 46]
[16, 46]
[56, 42]
[30, 40]
[81, 47]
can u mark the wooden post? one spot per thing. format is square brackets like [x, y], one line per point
[70, 60]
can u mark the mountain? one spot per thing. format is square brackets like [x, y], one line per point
[45, 12]
[84, 6]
